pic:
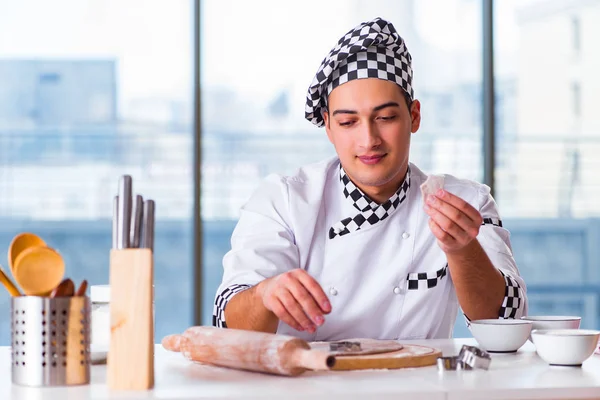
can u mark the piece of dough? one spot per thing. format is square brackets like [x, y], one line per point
[367, 346]
[432, 184]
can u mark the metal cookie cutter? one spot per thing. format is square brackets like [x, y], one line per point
[344, 346]
[475, 357]
[451, 364]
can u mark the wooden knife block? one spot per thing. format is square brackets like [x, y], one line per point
[130, 360]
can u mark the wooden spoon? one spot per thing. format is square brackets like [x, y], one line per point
[38, 270]
[82, 288]
[8, 284]
[19, 243]
[64, 289]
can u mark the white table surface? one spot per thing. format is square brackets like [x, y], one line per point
[512, 376]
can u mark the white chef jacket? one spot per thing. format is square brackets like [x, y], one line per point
[387, 280]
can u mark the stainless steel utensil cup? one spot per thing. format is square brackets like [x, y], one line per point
[50, 340]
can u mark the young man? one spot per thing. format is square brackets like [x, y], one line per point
[348, 247]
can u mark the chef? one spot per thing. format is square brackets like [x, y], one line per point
[349, 247]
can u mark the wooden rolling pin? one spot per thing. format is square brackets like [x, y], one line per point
[248, 350]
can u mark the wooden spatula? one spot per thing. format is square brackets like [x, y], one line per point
[8, 284]
[82, 288]
[39, 270]
[19, 243]
[64, 289]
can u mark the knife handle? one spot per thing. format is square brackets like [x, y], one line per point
[124, 217]
[148, 225]
[115, 223]
[136, 223]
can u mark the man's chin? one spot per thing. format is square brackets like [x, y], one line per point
[373, 180]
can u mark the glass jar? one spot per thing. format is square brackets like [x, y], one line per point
[100, 324]
[100, 321]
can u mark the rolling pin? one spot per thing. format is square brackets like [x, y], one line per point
[248, 350]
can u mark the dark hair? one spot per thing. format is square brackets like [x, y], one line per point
[407, 98]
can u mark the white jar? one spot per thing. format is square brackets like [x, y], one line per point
[100, 324]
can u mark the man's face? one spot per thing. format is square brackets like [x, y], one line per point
[369, 124]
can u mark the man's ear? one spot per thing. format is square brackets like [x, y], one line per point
[327, 122]
[415, 116]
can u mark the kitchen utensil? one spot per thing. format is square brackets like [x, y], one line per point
[82, 288]
[475, 357]
[38, 270]
[64, 289]
[130, 364]
[50, 341]
[19, 243]
[8, 284]
[453, 363]
[148, 225]
[115, 223]
[136, 223]
[124, 212]
[253, 351]
[357, 347]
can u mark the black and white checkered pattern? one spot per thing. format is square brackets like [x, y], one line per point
[492, 221]
[370, 211]
[373, 49]
[512, 298]
[221, 301]
[424, 280]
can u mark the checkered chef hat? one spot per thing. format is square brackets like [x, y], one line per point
[371, 50]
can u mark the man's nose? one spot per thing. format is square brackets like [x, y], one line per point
[369, 136]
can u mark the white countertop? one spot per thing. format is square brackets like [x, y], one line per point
[522, 375]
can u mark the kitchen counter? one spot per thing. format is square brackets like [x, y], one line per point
[522, 375]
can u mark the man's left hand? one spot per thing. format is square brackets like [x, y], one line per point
[453, 221]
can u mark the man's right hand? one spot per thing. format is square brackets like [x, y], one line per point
[296, 298]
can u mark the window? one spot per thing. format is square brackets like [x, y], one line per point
[90, 90]
[576, 96]
[576, 28]
[548, 185]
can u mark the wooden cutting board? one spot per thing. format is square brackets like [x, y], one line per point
[410, 356]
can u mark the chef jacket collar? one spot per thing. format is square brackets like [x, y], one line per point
[369, 211]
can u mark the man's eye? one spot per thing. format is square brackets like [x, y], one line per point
[387, 118]
[345, 123]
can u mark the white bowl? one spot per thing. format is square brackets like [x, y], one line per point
[565, 346]
[501, 335]
[553, 321]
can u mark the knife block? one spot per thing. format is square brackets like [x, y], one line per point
[130, 360]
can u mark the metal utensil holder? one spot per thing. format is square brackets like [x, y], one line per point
[50, 340]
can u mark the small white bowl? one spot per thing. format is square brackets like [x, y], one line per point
[553, 321]
[501, 335]
[570, 347]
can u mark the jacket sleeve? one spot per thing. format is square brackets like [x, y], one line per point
[262, 244]
[495, 240]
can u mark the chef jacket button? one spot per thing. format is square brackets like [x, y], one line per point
[397, 290]
[405, 235]
[333, 291]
